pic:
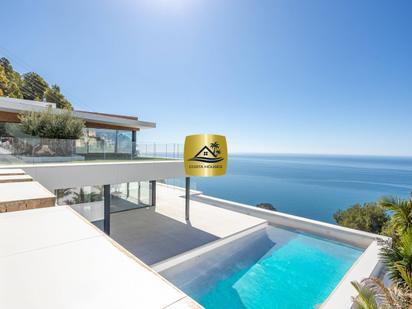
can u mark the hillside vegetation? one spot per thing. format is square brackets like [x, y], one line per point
[29, 86]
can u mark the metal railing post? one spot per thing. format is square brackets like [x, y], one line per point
[187, 199]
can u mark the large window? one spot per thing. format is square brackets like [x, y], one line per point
[89, 200]
[131, 195]
[107, 141]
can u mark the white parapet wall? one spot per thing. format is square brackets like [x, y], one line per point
[68, 175]
[339, 233]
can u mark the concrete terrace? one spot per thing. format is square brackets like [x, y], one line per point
[157, 233]
[53, 258]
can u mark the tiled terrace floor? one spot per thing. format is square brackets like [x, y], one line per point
[156, 233]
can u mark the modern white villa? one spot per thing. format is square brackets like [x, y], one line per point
[102, 226]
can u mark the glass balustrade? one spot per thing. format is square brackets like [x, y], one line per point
[33, 150]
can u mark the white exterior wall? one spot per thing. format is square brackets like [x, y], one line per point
[69, 175]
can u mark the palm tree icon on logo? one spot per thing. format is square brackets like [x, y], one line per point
[215, 147]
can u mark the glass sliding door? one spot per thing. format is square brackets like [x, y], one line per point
[87, 201]
[128, 196]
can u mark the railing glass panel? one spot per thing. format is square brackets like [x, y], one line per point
[35, 150]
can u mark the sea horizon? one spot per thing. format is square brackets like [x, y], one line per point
[312, 186]
[321, 154]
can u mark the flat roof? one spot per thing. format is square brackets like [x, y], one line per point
[11, 171]
[53, 258]
[15, 178]
[22, 191]
[92, 119]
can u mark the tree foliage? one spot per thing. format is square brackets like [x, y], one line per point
[389, 216]
[30, 86]
[33, 86]
[401, 210]
[54, 95]
[4, 82]
[49, 124]
[11, 84]
[369, 217]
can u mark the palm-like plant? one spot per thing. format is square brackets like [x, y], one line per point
[401, 219]
[366, 298]
[398, 259]
[374, 295]
[82, 197]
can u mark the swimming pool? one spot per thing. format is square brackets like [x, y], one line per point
[271, 268]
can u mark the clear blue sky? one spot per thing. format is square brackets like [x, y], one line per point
[305, 76]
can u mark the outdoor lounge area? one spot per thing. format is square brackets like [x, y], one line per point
[160, 232]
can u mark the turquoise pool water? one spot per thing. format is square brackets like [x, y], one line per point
[275, 268]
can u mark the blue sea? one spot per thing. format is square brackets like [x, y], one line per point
[312, 186]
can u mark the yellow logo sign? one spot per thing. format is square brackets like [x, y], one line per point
[205, 155]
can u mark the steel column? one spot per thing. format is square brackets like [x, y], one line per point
[106, 194]
[153, 189]
[133, 143]
[187, 206]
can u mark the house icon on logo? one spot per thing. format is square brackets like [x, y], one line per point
[206, 155]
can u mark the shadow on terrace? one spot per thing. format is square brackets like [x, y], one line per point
[154, 237]
[155, 231]
[160, 232]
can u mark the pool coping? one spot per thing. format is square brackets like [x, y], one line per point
[194, 253]
[346, 235]
[368, 264]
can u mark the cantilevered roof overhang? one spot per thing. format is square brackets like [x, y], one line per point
[10, 109]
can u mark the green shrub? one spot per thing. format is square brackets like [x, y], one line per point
[369, 217]
[48, 124]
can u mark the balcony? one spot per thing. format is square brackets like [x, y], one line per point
[33, 150]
